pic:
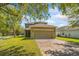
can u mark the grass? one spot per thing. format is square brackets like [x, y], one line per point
[19, 47]
[68, 39]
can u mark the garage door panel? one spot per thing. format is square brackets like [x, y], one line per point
[43, 35]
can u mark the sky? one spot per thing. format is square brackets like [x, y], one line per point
[56, 19]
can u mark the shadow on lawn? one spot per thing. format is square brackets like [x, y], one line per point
[28, 38]
[15, 51]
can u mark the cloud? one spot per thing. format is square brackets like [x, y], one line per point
[60, 16]
[61, 25]
[56, 14]
[58, 20]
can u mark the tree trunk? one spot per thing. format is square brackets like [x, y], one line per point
[14, 33]
[3, 34]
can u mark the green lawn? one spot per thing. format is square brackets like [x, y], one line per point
[19, 47]
[68, 39]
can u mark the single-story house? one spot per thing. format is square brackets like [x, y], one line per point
[40, 30]
[69, 31]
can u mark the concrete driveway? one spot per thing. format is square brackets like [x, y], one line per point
[53, 47]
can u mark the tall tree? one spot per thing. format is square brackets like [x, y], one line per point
[69, 9]
[15, 12]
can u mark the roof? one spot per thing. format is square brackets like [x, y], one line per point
[65, 28]
[62, 28]
[76, 28]
[27, 25]
[42, 25]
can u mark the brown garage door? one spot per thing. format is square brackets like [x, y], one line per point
[43, 35]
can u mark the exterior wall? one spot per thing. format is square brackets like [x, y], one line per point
[63, 33]
[32, 34]
[71, 33]
[75, 34]
[43, 33]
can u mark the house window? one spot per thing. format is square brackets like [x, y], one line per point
[69, 34]
[62, 33]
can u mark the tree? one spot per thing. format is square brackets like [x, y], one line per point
[11, 17]
[69, 9]
[37, 12]
[13, 14]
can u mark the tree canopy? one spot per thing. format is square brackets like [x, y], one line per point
[11, 13]
[69, 9]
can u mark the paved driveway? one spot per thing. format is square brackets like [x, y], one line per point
[55, 47]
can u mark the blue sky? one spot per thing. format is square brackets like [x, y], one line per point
[56, 18]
